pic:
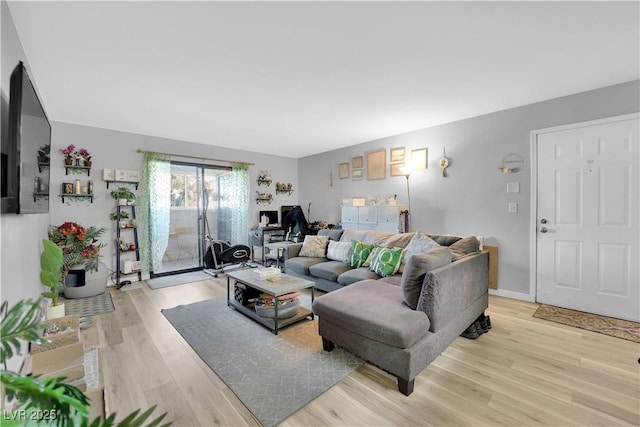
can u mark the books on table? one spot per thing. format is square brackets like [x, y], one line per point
[266, 272]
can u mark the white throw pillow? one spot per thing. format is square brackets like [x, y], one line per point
[338, 251]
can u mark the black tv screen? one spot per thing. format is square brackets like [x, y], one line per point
[26, 151]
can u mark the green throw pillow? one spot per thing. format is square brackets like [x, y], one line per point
[358, 254]
[386, 261]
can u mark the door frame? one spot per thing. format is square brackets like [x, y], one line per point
[533, 223]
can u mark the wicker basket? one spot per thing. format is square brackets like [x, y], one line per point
[60, 339]
[284, 311]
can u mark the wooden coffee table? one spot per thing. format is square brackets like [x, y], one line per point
[285, 285]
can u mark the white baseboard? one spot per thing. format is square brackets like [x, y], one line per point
[512, 295]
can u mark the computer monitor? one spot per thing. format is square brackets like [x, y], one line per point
[272, 217]
[284, 211]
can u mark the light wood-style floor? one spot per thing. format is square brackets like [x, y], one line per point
[524, 372]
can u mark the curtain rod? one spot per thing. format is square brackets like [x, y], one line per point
[195, 157]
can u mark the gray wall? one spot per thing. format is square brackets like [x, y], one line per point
[118, 150]
[473, 198]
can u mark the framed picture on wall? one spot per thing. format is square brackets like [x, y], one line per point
[395, 169]
[397, 155]
[377, 165]
[419, 159]
[358, 174]
[344, 170]
[357, 162]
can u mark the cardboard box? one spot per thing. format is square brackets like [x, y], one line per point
[96, 402]
[56, 359]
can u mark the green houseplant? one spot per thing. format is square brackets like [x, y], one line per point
[51, 272]
[123, 195]
[80, 247]
[62, 404]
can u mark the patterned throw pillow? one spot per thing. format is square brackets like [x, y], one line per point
[314, 246]
[386, 261]
[338, 251]
[358, 254]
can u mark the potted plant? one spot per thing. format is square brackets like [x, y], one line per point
[69, 154]
[43, 154]
[86, 156]
[123, 195]
[80, 247]
[51, 272]
[121, 217]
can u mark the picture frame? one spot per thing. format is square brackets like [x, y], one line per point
[133, 176]
[397, 155]
[357, 162]
[395, 169]
[358, 174]
[377, 165]
[344, 170]
[419, 159]
[67, 188]
[122, 175]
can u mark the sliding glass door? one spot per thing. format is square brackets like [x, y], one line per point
[196, 212]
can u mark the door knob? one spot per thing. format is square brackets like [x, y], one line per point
[543, 221]
[543, 229]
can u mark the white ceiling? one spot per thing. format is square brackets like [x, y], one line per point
[298, 78]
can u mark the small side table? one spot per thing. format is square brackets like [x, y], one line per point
[275, 252]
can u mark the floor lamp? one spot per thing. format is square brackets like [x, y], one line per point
[406, 171]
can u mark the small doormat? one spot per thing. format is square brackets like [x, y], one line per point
[618, 328]
[89, 306]
[177, 279]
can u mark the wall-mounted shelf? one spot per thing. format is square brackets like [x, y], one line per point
[284, 191]
[77, 170]
[43, 166]
[37, 196]
[264, 199]
[265, 182]
[77, 197]
[109, 181]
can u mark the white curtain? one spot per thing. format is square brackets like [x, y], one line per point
[235, 190]
[155, 203]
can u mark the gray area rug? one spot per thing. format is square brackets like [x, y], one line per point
[273, 375]
[177, 279]
[88, 306]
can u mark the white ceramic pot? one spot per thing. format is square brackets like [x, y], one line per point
[122, 202]
[54, 311]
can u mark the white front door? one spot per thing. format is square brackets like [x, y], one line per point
[587, 222]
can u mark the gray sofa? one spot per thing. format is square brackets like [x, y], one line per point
[403, 322]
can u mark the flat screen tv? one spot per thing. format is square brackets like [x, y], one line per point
[25, 151]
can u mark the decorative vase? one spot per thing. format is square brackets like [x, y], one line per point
[68, 162]
[54, 311]
[87, 163]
